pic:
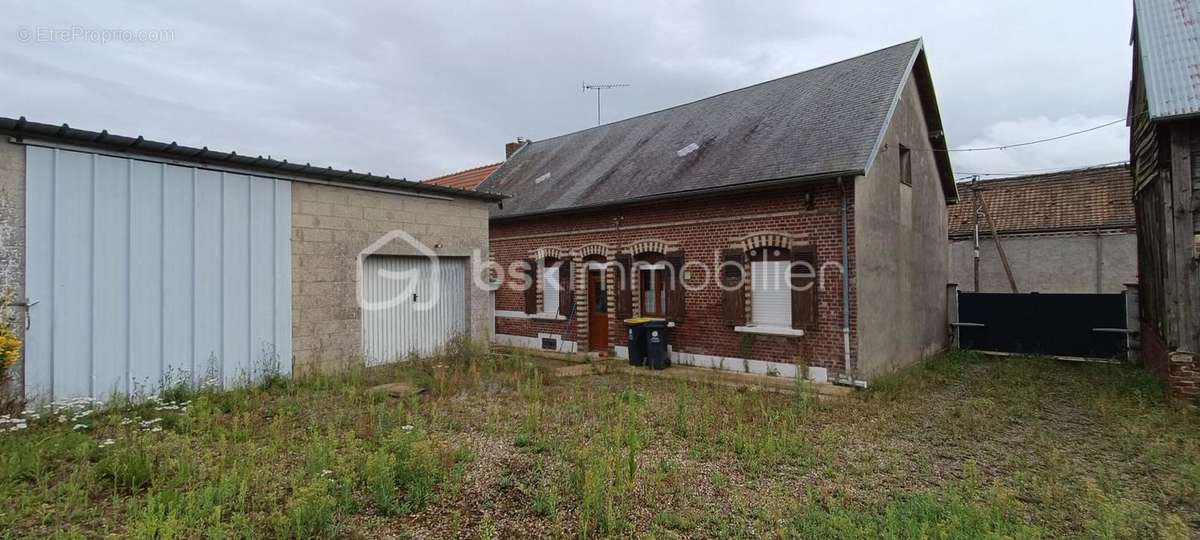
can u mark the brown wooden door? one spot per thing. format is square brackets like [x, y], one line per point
[597, 311]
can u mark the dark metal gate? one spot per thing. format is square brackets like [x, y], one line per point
[1080, 325]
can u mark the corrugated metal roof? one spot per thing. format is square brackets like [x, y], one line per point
[815, 124]
[20, 128]
[1167, 33]
[1076, 200]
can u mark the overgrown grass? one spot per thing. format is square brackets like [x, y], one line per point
[960, 446]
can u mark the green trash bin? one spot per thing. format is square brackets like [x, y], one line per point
[636, 331]
[658, 356]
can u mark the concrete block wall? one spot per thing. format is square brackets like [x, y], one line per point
[331, 226]
[12, 247]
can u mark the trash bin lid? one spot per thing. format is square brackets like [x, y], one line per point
[639, 320]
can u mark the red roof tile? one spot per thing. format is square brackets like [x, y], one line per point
[1082, 199]
[468, 179]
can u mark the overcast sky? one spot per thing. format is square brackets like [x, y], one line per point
[418, 89]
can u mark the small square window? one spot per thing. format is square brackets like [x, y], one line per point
[905, 166]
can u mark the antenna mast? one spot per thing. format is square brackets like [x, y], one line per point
[598, 88]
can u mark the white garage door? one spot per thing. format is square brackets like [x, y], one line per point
[411, 305]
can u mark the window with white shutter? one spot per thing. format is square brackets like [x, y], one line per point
[550, 286]
[770, 296]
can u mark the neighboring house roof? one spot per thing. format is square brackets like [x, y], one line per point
[1167, 34]
[21, 129]
[468, 179]
[1078, 200]
[822, 123]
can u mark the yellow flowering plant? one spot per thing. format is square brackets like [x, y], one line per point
[10, 344]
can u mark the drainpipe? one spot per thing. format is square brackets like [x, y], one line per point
[845, 281]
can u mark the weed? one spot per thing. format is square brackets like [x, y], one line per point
[129, 467]
[310, 512]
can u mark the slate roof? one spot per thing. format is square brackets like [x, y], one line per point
[468, 179]
[1167, 33]
[1078, 200]
[820, 123]
[103, 140]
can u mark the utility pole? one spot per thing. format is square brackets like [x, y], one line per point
[598, 88]
[1012, 282]
[975, 212]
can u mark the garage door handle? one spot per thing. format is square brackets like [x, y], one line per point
[414, 297]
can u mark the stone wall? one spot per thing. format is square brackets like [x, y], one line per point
[12, 246]
[331, 226]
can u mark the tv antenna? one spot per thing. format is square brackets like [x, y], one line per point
[599, 88]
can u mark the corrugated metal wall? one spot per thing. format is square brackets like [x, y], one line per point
[147, 272]
[406, 310]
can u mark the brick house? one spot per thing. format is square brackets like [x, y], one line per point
[796, 222]
[1062, 232]
[1164, 154]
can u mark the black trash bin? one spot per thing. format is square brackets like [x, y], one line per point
[657, 355]
[637, 341]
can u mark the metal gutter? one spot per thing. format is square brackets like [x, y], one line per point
[21, 129]
[675, 195]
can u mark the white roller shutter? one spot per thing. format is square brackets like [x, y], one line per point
[550, 290]
[771, 298]
[410, 306]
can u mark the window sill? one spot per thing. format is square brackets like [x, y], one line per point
[522, 315]
[769, 330]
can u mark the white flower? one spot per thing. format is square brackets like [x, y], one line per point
[326, 472]
[78, 427]
[107, 442]
[62, 418]
[406, 427]
[156, 429]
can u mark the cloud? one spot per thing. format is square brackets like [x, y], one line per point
[1104, 145]
[421, 88]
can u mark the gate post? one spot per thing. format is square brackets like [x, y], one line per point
[1133, 343]
[952, 314]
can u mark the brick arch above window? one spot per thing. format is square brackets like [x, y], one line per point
[595, 250]
[543, 253]
[651, 246]
[767, 239]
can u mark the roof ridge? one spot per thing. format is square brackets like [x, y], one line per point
[472, 169]
[1036, 176]
[727, 92]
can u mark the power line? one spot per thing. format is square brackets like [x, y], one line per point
[1028, 143]
[966, 175]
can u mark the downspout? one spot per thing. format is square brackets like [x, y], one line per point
[845, 281]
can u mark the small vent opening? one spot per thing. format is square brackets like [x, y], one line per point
[549, 344]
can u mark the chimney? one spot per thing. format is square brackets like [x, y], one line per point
[512, 147]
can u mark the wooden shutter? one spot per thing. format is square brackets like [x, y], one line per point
[566, 296]
[531, 272]
[804, 287]
[624, 282]
[675, 289]
[733, 289]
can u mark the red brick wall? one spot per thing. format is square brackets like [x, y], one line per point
[1180, 371]
[701, 227]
